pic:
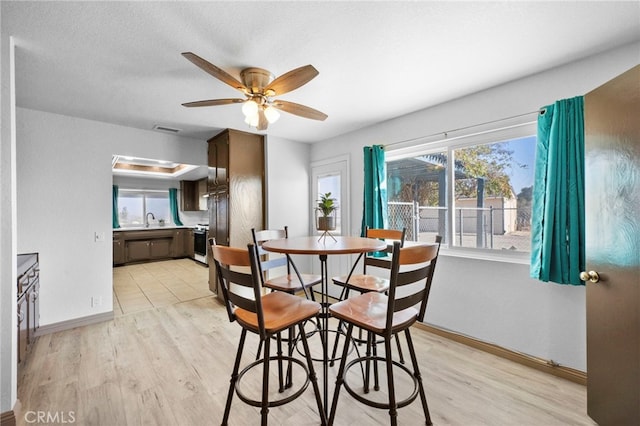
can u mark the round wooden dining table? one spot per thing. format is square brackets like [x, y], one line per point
[323, 247]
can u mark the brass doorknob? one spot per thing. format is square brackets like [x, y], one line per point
[590, 276]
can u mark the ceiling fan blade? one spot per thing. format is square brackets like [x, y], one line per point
[262, 120]
[292, 80]
[301, 110]
[214, 102]
[214, 71]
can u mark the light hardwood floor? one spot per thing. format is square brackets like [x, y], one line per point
[169, 364]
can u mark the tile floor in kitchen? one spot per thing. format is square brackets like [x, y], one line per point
[150, 285]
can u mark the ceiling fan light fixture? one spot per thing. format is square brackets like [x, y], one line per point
[271, 114]
[252, 120]
[250, 108]
[259, 86]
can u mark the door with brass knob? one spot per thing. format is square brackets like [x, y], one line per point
[612, 276]
[591, 276]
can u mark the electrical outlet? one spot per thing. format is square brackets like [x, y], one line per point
[98, 236]
[96, 301]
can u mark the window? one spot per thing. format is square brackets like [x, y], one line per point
[135, 204]
[482, 202]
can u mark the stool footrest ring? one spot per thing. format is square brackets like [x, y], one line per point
[278, 402]
[377, 404]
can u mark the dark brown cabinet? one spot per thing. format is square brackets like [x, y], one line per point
[193, 193]
[189, 195]
[236, 189]
[219, 161]
[137, 251]
[183, 243]
[189, 243]
[151, 244]
[159, 248]
[118, 249]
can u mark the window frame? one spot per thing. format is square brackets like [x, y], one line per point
[489, 133]
[144, 193]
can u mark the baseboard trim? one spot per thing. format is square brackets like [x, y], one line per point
[78, 322]
[8, 418]
[546, 366]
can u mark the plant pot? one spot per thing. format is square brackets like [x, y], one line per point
[326, 223]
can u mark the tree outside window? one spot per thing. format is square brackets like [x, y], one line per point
[491, 199]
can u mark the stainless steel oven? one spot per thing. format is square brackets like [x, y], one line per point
[200, 246]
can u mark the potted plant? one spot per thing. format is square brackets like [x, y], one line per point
[327, 206]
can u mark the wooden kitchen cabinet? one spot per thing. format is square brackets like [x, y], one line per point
[118, 249]
[193, 193]
[189, 243]
[236, 189]
[138, 250]
[183, 243]
[159, 248]
[151, 244]
[189, 195]
[218, 154]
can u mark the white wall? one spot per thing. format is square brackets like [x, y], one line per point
[287, 172]
[287, 189]
[495, 301]
[8, 291]
[64, 185]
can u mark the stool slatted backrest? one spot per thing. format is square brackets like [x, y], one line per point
[228, 261]
[425, 255]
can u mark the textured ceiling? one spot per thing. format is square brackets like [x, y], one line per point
[120, 62]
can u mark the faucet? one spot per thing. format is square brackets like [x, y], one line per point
[146, 225]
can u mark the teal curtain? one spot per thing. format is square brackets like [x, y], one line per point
[374, 212]
[173, 205]
[114, 213]
[557, 228]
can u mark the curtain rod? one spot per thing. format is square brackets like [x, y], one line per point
[445, 133]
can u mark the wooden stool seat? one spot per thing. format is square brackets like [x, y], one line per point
[364, 283]
[369, 312]
[290, 283]
[280, 311]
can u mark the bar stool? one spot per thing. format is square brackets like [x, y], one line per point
[364, 282]
[387, 315]
[266, 316]
[292, 282]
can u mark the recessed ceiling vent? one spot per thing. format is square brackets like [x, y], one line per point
[165, 129]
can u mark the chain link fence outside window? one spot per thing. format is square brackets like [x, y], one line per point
[500, 228]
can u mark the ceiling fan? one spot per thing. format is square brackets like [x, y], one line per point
[260, 87]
